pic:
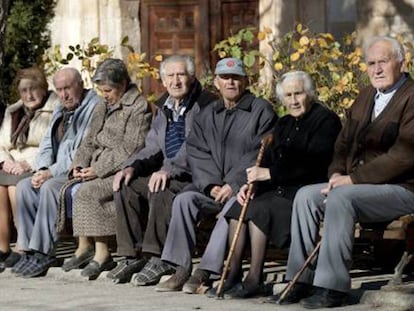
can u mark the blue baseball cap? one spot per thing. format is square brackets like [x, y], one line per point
[230, 66]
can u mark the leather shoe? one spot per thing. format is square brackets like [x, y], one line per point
[324, 298]
[94, 269]
[296, 294]
[78, 262]
[244, 290]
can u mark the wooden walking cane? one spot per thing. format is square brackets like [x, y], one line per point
[292, 282]
[265, 142]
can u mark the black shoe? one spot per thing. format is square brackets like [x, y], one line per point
[78, 262]
[94, 269]
[12, 259]
[325, 298]
[244, 290]
[296, 294]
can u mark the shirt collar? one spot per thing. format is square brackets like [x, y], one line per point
[395, 87]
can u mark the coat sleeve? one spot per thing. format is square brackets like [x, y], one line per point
[144, 157]
[83, 155]
[46, 157]
[5, 144]
[204, 169]
[136, 128]
[266, 120]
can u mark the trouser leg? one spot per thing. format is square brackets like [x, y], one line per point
[132, 208]
[44, 230]
[160, 205]
[308, 209]
[215, 251]
[28, 202]
[181, 235]
[345, 206]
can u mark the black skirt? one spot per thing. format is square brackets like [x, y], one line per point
[271, 213]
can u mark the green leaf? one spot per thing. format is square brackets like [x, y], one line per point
[125, 40]
[94, 40]
[248, 60]
[248, 36]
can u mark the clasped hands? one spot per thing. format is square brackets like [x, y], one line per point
[84, 174]
[15, 167]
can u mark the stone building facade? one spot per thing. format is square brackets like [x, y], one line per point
[194, 26]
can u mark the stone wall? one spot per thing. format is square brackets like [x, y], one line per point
[78, 21]
[385, 17]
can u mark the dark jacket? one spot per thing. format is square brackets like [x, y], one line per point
[302, 149]
[223, 143]
[153, 156]
[379, 151]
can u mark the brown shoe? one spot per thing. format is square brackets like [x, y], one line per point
[198, 279]
[175, 282]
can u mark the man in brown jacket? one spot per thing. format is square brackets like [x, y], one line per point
[371, 179]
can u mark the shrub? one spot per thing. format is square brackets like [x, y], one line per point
[336, 66]
[26, 39]
[92, 54]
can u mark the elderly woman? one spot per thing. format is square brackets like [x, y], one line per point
[299, 155]
[24, 126]
[119, 126]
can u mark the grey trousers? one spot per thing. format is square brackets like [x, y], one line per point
[215, 252]
[188, 207]
[344, 206]
[36, 214]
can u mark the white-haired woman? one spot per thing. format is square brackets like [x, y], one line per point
[299, 155]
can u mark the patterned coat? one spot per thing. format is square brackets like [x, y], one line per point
[37, 129]
[116, 132]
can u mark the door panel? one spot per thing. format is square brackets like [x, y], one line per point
[192, 27]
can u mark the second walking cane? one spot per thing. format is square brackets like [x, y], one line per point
[265, 142]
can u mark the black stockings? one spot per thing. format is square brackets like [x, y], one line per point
[258, 243]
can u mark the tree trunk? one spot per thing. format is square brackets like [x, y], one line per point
[4, 9]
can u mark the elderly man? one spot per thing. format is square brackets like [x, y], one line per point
[37, 196]
[157, 172]
[224, 141]
[371, 179]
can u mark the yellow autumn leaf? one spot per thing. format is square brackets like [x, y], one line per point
[294, 57]
[328, 36]
[363, 67]
[222, 54]
[278, 66]
[133, 57]
[304, 40]
[322, 42]
[275, 55]
[299, 28]
[158, 58]
[261, 36]
[301, 51]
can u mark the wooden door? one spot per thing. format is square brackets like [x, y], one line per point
[175, 27]
[192, 27]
